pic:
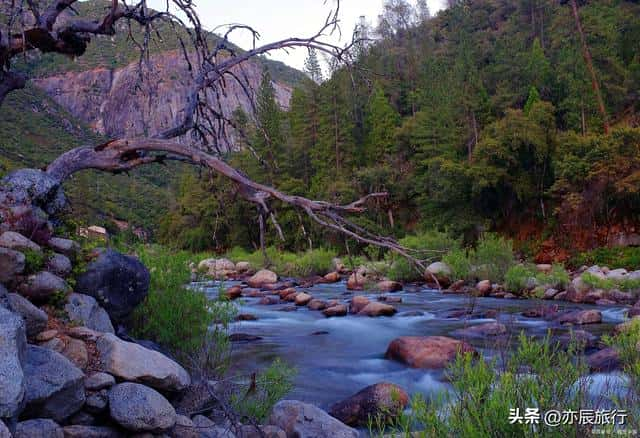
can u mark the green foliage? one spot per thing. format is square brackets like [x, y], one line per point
[460, 264]
[432, 245]
[517, 278]
[255, 403]
[34, 260]
[484, 392]
[314, 262]
[608, 283]
[628, 258]
[492, 257]
[58, 299]
[172, 315]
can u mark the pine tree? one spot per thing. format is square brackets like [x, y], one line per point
[312, 66]
[380, 124]
[269, 141]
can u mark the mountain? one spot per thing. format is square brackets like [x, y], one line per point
[99, 96]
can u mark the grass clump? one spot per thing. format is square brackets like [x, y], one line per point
[609, 283]
[34, 260]
[172, 315]
[492, 257]
[623, 257]
[538, 375]
[313, 262]
[522, 277]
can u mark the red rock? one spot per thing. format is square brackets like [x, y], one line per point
[384, 400]
[268, 301]
[484, 287]
[580, 317]
[358, 303]
[332, 277]
[426, 351]
[233, 292]
[286, 292]
[606, 359]
[389, 286]
[302, 299]
[338, 310]
[375, 308]
[316, 304]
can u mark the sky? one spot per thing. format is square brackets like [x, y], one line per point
[278, 19]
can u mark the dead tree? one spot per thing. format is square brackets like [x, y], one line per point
[31, 25]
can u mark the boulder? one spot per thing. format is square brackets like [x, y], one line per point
[389, 286]
[83, 333]
[133, 362]
[316, 305]
[139, 408]
[250, 431]
[430, 352]
[635, 275]
[13, 240]
[441, 271]
[262, 277]
[76, 351]
[205, 428]
[60, 265]
[97, 402]
[382, 400]
[576, 290]
[46, 335]
[358, 303]
[550, 293]
[98, 381]
[359, 278]
[38, 428]
[376, 308]
[85, 310]
[617, 274]
[302, 299]
[482, 330]
[243, 267]
[13, 347]
[606, 359]
[34, 318]
[332, 277]
[118, 282]
[302, 420]
[233, 293]
[621, 297]
[11, 264]
[284, 293]
[484, 287]
[337, 310]
[32, 186]
[42, 285]
[88, 431]
[580, 317]
[592, 296]
[66, 247]
[54, 386]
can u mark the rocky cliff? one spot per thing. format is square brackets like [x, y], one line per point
[115, 102]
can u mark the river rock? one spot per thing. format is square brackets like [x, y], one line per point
[76, 351]
[85, 310]
[389, 286]
[34, 318]
[580, 317]
[302, 299]
[484, 287]
[250, 431]
[42, 285]
[269, 301]
[284, 293]
[576, 290]
[441, 271]
[11, 264]
[98, 381]
[359, 278]
[302, 420]
[332, 277]
[390, 299]
[38, 428]
[426, 352]
[88, 431]
[376, 308]
[482, 330]
[262, 277]
[46, 335]
[54, 386]
[243, 267]
[233, 293]
[139, 408]
[358, 303]
[64, 246]
[621, 297]
[604, 360]
[337, 310]
[550, 293]
[13, 240]
[118, 282]
[97, 402]
[13, 347]
[384, 400]
[541, 311]
[316, 304]
[133, 362]
[617, 274]
[60, 265]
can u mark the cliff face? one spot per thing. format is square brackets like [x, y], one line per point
[115, 102]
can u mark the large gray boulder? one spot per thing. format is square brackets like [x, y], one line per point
[32, 186]
[134, 363]
[42, 285]
[64, 246]
[11, 264]
[382, 400]
[55, 386]
[60, 265]
[38, 428]
[34, 318]
[86, 310]
[13, 240]
[302, 420]
[13, 348]
[139, 408]
[118, 282]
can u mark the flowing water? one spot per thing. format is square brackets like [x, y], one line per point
[336, 357]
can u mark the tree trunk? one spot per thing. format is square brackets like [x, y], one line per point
[589, 61]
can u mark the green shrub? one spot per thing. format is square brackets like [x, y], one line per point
[254, 402]
[172, 315]
[458, 261]
[538, 374]
[492, 257]
[315, 262]
[33, 261]
[609, 283]
[628, 258]
[517, 277]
